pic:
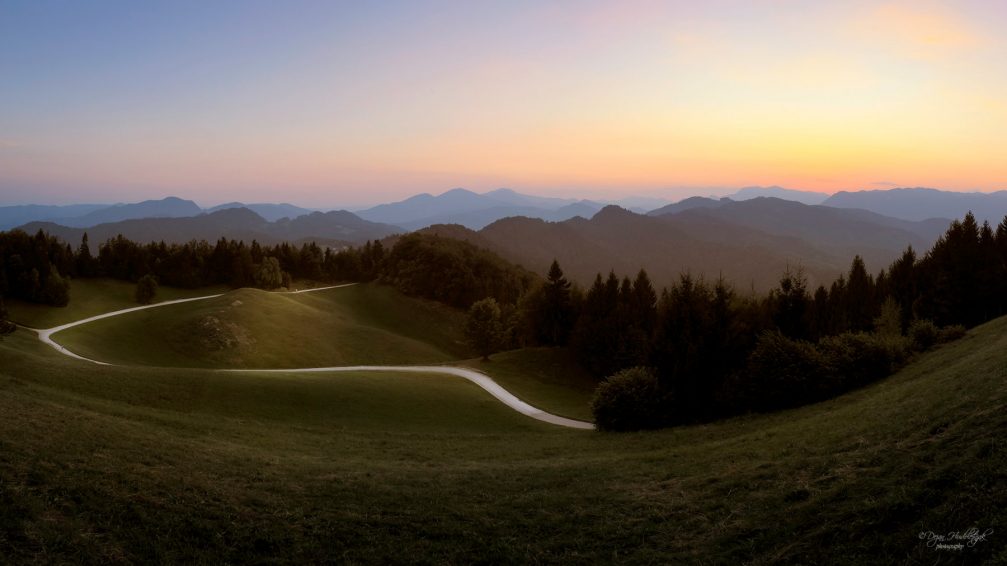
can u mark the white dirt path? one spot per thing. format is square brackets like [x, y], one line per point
[478, 378]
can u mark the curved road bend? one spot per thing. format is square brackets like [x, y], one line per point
[480, 379]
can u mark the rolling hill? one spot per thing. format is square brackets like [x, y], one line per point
[93, 296]
[249, 328]
[101, 461]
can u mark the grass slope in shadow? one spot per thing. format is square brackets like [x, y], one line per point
[167, 465]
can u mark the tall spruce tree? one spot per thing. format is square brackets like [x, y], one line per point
[902, 285]
[556, 318]
[644, 303]
[84, 259]
[859, 300]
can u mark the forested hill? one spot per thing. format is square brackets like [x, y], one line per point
[40, 267]
[747, 243]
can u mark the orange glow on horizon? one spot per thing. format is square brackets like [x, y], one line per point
[614, 98]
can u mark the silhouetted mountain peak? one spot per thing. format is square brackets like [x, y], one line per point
[503, 192]
[512, 221]
[689, 204]
[337, 215]
[613, 212]
[805, 197]
[459, 192]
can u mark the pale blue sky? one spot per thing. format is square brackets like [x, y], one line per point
[342, 103]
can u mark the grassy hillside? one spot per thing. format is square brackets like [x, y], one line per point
[148, 465]
[363, 324]
[90, 297]
[548, 378]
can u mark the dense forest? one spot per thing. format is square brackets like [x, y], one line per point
[692, 352]
[39, 268]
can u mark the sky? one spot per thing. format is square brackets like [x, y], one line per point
[348, 103]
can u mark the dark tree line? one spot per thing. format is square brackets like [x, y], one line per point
[35, 268]
[962, 280]
[39, 268]
[715, 352]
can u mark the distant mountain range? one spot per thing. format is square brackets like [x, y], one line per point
[750, 243]
[171, 207]
[920, 204]
[837, 232]
[335, 228]
[271, 212]
[748, 239]
[11, 216]
[474, 210]
[84, 215]
[477, 210]
[457, 206]
[804, 197]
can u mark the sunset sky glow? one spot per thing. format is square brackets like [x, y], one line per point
[347, 103]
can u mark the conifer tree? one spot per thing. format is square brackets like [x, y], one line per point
[902, 285]
[644, 305]
[859, 299]
[556, 318]
[594, 337]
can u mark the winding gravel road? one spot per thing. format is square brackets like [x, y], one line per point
[480, 379]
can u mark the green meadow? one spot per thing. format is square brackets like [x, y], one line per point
[90, 297]
[250, 328]
[143, 464]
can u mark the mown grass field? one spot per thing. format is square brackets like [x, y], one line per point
[361, 324]
[139, 464]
